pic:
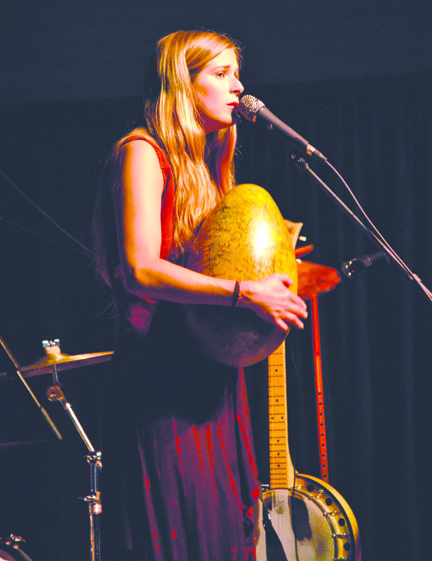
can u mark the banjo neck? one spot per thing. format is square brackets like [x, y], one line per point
[282, 473]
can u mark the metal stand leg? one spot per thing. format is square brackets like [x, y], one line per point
[95, 505]
[94, 459]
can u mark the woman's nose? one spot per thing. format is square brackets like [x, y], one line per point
[237, 86]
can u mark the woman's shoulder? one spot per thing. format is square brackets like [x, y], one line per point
[140, 138]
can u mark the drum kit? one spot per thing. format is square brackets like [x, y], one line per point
[54, 362]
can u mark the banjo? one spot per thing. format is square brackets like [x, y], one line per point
[310, 519]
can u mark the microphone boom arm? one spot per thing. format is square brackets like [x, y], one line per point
[303, 165]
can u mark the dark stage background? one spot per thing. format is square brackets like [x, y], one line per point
[376, 130]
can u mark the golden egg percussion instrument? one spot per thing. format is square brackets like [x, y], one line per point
[244, 238]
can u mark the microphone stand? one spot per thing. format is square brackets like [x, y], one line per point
[303, 165]
[94, 459]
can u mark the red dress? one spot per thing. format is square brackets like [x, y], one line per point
[179, 473]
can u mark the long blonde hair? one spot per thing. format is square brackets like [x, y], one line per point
[202, 166]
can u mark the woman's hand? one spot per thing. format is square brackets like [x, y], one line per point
[271, 299]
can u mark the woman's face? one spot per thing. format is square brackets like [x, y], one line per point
[217, 88]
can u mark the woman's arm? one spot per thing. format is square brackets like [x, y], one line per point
[138, 212]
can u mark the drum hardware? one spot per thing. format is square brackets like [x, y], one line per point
[94, 457]
[54, 356]
[10, 549]
[53, 362]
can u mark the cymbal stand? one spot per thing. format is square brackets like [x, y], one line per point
[94, 459]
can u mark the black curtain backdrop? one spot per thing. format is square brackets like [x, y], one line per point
[375, 327]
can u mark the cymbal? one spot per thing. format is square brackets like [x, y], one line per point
[314, 279]
[62, 361]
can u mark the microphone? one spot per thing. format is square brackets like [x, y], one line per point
[254, 110]
[348, 268]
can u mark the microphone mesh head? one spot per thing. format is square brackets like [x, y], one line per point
[249, 107]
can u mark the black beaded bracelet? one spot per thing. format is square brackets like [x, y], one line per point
[236, 293]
